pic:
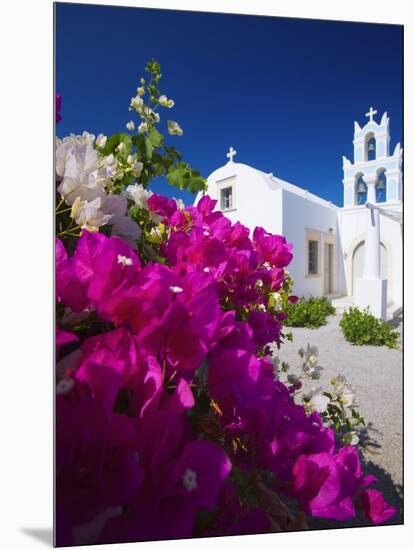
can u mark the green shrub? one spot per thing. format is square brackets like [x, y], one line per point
[311, 313]
[360, 328]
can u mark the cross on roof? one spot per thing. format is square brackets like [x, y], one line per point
[232, 152]
[371, 113]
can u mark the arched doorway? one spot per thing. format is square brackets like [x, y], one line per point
[358, 264]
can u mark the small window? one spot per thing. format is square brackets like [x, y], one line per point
[226, 198]
[312, 257]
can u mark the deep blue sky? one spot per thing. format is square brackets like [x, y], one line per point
[283, 92]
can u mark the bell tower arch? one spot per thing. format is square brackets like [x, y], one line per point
[373, 162]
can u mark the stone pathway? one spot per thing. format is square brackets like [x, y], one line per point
[376, 374]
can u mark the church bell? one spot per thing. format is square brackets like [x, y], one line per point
[371, 146]
[361, 188]
[381, 184]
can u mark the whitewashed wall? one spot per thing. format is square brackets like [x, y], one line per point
[256, 201]
[353, 226]
[260, 201]
[300, 214]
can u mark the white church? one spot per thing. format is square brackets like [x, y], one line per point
[351, 254]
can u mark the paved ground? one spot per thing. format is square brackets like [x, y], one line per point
[376, 374]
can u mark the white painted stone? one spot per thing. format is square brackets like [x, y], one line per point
[263, 199]
[372, 293]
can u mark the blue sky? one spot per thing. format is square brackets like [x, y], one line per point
[283, 92]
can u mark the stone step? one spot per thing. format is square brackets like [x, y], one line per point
[345, 302]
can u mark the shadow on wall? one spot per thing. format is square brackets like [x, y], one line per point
[341, 283]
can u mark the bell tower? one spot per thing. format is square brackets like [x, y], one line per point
[373, 166]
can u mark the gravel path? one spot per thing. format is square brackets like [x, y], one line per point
[376, 374]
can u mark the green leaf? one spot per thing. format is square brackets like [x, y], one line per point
[111, 144]
[139, 142]
[148, 148]
[155, 137]
[173, 153]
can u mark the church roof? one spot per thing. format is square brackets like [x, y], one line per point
[301, 192]
[272, 182]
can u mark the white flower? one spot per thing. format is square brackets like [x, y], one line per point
[180, 203]
[89, 215]
[101, 140]
[143, 127]
[174, 128]
[344, 392]
[75, 207]
[122, 225]
[151, 114]
[190, 480]
[137, 168]
[315, 401]
[78, 164]
[165, 102]
[176, 289]
[137, 103]
[124, 260]
[310, 360]
[156, 234]
[155, 218]
[130, 125]
[141, 91]
[126, 229]
[138, 194]
[116, 205]
[350, 438]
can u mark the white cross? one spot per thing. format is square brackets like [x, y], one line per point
[231, 154]
[371, 113]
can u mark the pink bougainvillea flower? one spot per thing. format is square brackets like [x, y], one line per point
[162, 206]
[265, 327]
[375, 507]
[62, 338]
[96, 459]
[137, 457]
[182, 335]
[199, 473]
[319, 489]
[234, 519]
[69, 289]
[116, 268]
[272, 248]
